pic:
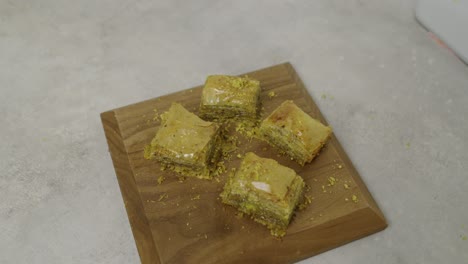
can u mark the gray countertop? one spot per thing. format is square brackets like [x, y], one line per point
[397, 101]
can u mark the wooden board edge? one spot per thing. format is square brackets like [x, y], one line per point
[365, 216]
[141, 230]
[284, 64]
[339, 148]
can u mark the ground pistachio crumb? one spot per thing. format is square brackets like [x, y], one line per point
[161, 179]
[355, 199]
[331, 181]
[196, 197]
[346, 186]
[156, 114]
[162, 197]
[272, 94]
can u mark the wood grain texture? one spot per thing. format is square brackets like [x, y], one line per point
[185, 222]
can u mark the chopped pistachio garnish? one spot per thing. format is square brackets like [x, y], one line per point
[332, 181]
[156, 114]
[161, 179]
[163, 196]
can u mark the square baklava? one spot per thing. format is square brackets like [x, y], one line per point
[185, 143]
[294, 132]
[229, 97]
[265, 190]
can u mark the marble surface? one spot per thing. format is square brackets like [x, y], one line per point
[395, 98]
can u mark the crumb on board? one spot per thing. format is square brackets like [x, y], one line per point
[272, 94]
[354, 198]
[156, 114]
[346, 186]
[323, 189]
[239, 156]
[305, 202]
[340, 166]
[161, 179]
[196, 197]
[162, 197]
[346, 199]
[331, 181]
[206, 236]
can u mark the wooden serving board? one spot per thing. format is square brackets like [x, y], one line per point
[185, 222]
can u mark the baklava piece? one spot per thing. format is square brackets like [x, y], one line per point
[294, 132]
[265, 190]
[185, 143]
[228, 97]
